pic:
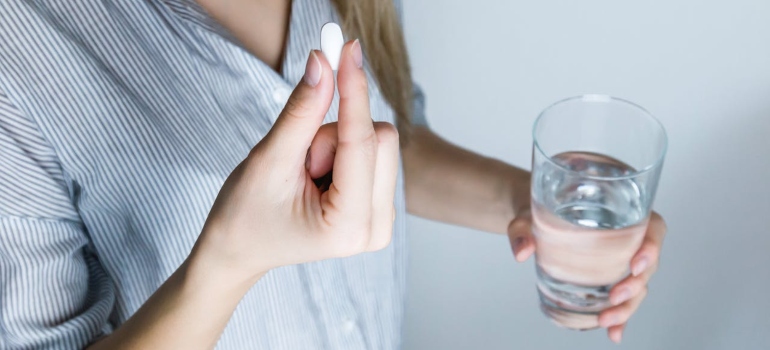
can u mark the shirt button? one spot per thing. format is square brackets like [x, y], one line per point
[281, 95]
[348, 325]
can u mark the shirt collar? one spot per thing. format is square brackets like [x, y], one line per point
[192, 12]
[305, 22]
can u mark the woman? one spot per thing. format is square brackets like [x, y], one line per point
[156, 174]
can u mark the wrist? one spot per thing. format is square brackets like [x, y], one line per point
[514, 187]
[209, 265]
[520, 191]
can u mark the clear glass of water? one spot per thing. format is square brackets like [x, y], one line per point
[596, 161]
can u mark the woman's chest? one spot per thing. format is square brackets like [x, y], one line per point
[148, 113]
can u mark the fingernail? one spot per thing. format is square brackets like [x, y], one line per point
[358, 56]
[624, 295]
[639, 267]
[608, 321]
[312, 70]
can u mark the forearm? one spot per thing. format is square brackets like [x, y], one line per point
[189, 311]
[450, 184]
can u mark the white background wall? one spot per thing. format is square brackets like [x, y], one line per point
[703, 67]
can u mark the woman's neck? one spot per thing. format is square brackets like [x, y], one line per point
[261, 26]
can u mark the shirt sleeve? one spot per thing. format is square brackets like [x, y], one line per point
[418, 110]
[54, 294]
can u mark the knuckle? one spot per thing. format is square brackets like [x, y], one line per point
[353, 89]
[633, 283]
[366, 141]
[369, 138]
[361, 86]
[650, 248]
[520, 225]
[653, 254]
[295, 107]
[330, 128]
[637, 286]
[387, 133]
[368, 145]
[625, 315]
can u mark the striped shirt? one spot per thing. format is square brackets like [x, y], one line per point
[119, 122]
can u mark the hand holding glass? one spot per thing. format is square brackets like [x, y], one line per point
[595, 168]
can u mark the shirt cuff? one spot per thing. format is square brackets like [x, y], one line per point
[418, 107]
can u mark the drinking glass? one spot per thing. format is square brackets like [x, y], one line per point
[596, 161]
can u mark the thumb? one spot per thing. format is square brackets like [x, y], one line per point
[520, 235]
[304, 112]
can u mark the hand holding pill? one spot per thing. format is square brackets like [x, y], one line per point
[300, 222]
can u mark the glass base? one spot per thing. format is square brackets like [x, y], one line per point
[569, 305]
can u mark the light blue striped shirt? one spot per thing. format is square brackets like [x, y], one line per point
[119, 122]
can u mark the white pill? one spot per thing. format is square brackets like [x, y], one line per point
[331, 43]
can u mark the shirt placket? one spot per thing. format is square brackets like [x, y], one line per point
[331, 294]
[328, 284]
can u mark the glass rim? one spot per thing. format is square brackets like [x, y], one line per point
[605, 99]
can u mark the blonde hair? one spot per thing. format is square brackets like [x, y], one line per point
[376, 24]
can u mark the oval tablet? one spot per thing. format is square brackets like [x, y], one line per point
[331, 43]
